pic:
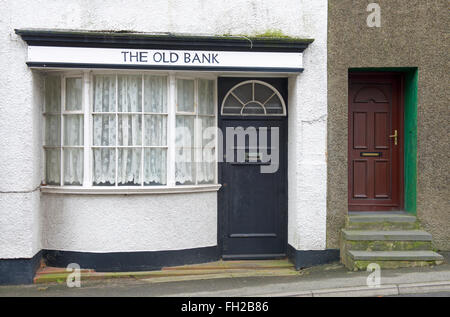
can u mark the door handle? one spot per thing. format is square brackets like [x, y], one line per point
[395, 136]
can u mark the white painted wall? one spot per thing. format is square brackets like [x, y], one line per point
[129, 223]
[307, 138]
[23, 218]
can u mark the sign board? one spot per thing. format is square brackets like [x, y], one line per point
[88, 57]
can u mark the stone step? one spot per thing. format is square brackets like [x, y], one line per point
[381, 221]
[395, 255]
[386, 235]
[368, 245]
[360, 260]
[381, 217]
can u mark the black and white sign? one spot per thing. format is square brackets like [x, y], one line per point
[50, 56]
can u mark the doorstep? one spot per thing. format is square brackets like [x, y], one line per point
[211, 270]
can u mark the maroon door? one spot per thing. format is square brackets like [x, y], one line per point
[375, 142]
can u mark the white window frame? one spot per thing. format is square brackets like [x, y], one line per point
[88, 113]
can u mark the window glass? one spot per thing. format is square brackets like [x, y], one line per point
[155, 161]
[129, 131]
[73, 130]
[73, 166]
[74, 94]
[129, 165]
[155, 94]
[130, 93]
[104, 166]
[185, 95]
[52, 94]
[206, 96]
[104, 93]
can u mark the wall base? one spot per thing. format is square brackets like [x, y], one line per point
[131, 261]
[19, 271]
[302, 259]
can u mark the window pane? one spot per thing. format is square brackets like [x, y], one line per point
[104, 167]
[232, 106]
[52, 94]
[185, 95]
[205, 96]
[155, 94]
[184, 134]
[104, 132]
[208, 128]
[274, 106]
[206, 168]
[73, 166]
[73, 130]
[73, 94]
[155, 166]
[244, 92]
[262, 93]
[155, 131]
[184, 166]
[130, 129]
[105, 93]
[129, 167]
[52, 166]
[52, 130]
[130, 93]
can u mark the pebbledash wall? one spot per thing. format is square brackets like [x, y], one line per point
[33, 223]
[411, 39]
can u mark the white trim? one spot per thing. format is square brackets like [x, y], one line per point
[129, 190]
[87, 122]
[171, 124]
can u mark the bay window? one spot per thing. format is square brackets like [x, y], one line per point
[128, 129]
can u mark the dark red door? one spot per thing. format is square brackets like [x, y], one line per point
[375, 158]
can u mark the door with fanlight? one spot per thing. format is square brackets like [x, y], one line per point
[253, 197]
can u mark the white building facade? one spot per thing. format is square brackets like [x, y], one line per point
[94, 167]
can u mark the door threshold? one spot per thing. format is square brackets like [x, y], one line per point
[275, 256]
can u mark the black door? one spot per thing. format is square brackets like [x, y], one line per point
[253, 198]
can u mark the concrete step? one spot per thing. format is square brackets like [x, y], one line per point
[386, 235]
[395, 255]
[380, 216]
[367, 245]
[381, 221]
[360, 260]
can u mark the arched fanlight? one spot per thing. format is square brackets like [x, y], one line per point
[253, 98]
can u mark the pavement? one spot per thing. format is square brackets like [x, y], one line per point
[325, 280]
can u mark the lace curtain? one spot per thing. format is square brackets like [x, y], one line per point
[136, 140]
[195, 133]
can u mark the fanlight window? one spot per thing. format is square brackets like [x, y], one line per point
[253, 98]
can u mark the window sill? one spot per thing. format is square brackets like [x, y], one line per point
[79, 190]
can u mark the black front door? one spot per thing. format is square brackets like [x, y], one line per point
[253, 198]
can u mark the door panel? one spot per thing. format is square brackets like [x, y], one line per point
[375, 161]
[253, 205]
